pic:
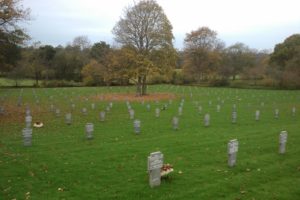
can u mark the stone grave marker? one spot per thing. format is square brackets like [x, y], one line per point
[206, 120]
[234, 117]
[180, 111]
[51, 108]
[68, 118]
[218, 108]
[110, 104]
[28, 121]
[276, 113]
[131, 114]
[2, 110]
[137, 126]
[148, 107]
[232, 146]
[157, 112]
[73, 106]
[89, 129]
[200, 109]
[155, 163]
[27, 136]
[175, 123]
[257, 115]
[165, 106]
[93, 106]
[294, 111]
[27, 111]
[234, 107]
[84, 111]
[102, 116]
[107, 109]
[57, 112]
[282, 141]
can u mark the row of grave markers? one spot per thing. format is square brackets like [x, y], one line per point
[155, 159]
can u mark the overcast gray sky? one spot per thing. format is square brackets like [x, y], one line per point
[259, 24]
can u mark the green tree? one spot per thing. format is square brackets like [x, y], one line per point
[285, 61]
[99, 51]
[11, 34]
[145, 28]
[202, 53]
[237, 58]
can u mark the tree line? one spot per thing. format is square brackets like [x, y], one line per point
[144, 54]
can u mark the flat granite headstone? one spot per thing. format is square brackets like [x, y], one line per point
[232, 146]
[282, 141]
[155, 163]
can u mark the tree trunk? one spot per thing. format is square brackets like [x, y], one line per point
[144, 86]
[233, 77]
[139, 87]
[36, 79]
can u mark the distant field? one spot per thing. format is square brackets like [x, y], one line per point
[5, 82]
[62, 164]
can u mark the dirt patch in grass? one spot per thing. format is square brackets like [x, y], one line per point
[133, 97]
[15, 114]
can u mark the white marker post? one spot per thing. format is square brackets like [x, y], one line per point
[282, 141]
[234, 117]
[89, 129]
[28, 120]
[68, 118]
[155, 163]
[27, 136]
[206, 120]
[175, 122]
[137, 126]
[257, 115]
[157, 112]
[102, 116]
[232, 146]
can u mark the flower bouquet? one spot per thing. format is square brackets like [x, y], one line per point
[38, 124]
[166, 169]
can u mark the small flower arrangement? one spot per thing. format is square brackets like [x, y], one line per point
[166, 169]
[38, 124]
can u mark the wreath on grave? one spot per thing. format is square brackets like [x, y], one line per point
[38, 124]
[166, 169]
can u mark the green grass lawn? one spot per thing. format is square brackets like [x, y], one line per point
[62, 164]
